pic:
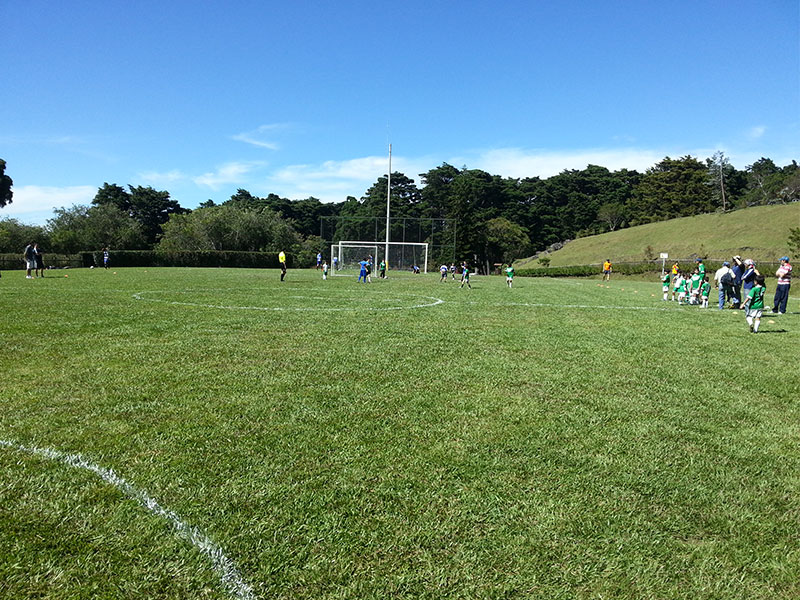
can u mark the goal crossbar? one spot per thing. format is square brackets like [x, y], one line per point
[380, 247]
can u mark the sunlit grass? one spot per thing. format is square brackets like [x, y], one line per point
[339, 440]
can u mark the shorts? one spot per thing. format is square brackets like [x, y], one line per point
[31, 263]
[755, 313]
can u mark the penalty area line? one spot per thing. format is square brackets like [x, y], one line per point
[229, 575]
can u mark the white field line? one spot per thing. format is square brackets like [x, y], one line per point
[432, 302]
[229, 575]
[596, 306]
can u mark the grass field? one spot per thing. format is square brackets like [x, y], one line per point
[213, 433]
[759, 232]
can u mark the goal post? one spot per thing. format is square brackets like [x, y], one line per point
[402, 255]
[347, 255]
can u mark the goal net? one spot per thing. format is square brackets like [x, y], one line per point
[403, 256]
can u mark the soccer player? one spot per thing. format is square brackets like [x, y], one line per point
[607, 270]
[705, 290]
[363, 273]
[282, 262]
[696, 281]
[680, 287]
[319, 260]
[324, 270]
[106, 257]
[443, 272]
[465, 276]
[701, 268]
[335, 263]
[453, 271]
[665, 277]
[755, 304]
[382, 269]
[510, 275]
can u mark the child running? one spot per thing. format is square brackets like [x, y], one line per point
[754, 305]
[510, 275]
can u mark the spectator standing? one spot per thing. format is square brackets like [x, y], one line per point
[749, 277]
[37, 254]
[30, 260]
[738, 272]
[784, 275]
[723, 281]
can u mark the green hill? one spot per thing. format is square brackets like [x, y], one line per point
[759, 233]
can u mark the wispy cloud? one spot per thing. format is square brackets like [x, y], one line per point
[35, 203]
[756, 132]
[229, 173]
[333, 181]
[518, 162]
[263, 136]
[159, 179]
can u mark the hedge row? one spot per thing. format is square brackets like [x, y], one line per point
[14, 262]
[641, 268]
[206, 258]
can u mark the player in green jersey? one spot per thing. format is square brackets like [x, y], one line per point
[465, 277]
[509, 275]
[680, 287]
[705, 290]
[665, 277]
[694, 291]
[755, 304]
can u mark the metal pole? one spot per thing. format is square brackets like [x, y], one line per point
[388, 199]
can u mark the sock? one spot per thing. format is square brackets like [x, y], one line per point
[757, 323]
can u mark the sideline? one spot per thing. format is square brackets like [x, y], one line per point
[229, 576]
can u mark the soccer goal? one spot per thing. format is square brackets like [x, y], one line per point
[402, 255]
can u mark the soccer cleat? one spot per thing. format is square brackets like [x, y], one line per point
[752, 330]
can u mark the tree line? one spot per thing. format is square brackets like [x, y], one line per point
[497, 219]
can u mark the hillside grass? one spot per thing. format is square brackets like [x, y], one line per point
[759, 232]
[404, 439]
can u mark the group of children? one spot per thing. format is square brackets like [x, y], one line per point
[695, 289]
[444, 270]
[690, 289]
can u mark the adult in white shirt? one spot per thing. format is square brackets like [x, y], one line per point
[723, 281]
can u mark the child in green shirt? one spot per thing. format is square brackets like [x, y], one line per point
[755, 304]
[705, 290]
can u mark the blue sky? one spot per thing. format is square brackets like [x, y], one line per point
[302, 98]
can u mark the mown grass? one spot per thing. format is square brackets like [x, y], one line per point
[502, 444]
[759, 232]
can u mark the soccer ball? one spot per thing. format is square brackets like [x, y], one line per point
[92, 267]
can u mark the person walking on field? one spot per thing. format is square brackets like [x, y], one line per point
[37, 255]
[465, 277]
[607, 270]
[754, 305]
[784, 275]
[30, 260]
[282, 262]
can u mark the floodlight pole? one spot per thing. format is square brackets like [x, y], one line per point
[388, 199]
